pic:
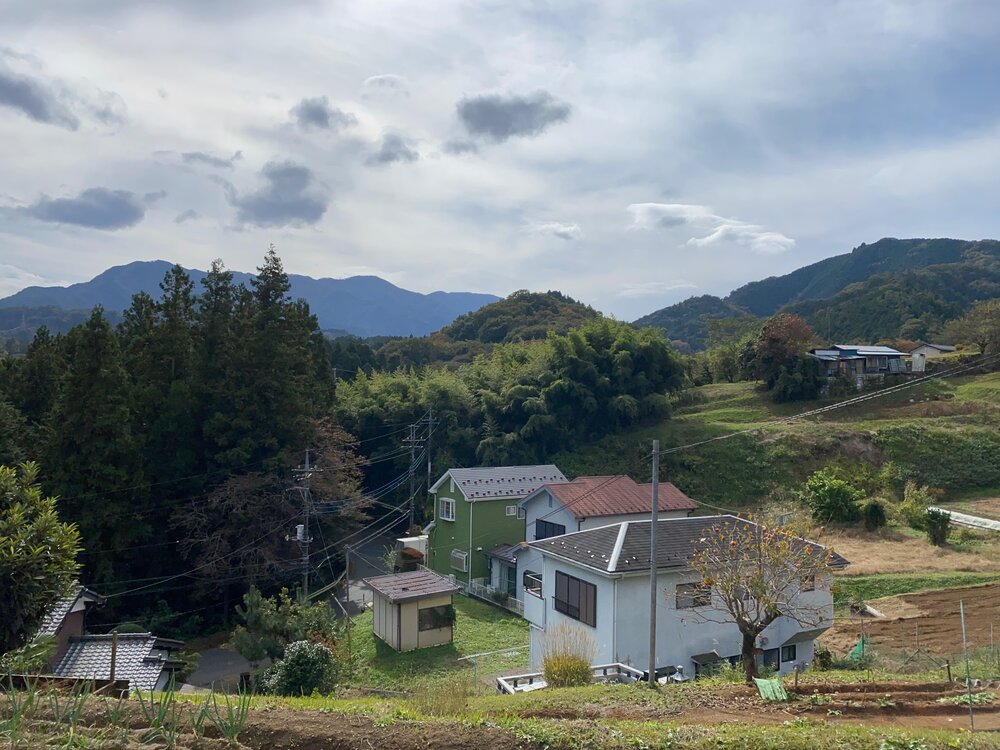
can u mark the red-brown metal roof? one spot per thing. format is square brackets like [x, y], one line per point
[590, 497]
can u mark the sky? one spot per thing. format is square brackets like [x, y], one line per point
[629, 154]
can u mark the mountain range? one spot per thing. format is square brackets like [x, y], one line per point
[893, 288]
[358, 305]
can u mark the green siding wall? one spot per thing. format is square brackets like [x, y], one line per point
[490, 526]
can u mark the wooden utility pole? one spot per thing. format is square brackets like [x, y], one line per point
[654, 513]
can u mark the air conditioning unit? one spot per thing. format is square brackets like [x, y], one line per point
[460, 560]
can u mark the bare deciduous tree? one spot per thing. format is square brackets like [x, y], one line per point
[759, 573]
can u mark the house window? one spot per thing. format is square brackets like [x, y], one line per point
[434, 618]
[546, 529]
[446, 509]
[460, 560]
[521, 513]
[512, 510]
[693, 595]
[576, 599]
[532, 583]
[788, 653]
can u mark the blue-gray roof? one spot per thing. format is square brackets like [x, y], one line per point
[490, 483]
[869, 351]
[140, 658]
[57, 613]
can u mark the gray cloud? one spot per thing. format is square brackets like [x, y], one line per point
[393, 148]
[499, 117]
[459, 146]
[200, 157]
[25, 89]
[290, 196]
[318, 113]
[386, 83]
[95, 208]
[189, 215]
[35, 99]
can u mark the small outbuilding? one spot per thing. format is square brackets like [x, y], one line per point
[413, 610]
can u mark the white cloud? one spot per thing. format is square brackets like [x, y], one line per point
[13, 279]
[560, 230]
[652, 288]
[715, 229]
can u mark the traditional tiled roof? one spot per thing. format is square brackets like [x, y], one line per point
[140, 658]
[489, 483]
[54, 618]
[624, 547]
[593, 497]
[402, 587]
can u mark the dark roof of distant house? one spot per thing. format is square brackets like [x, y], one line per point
[57, 613]
[140, 658]
[416, 584]
[865, 350]
[505, 552]
[593, 497]
[492, 482]
[939, 347]
[624, 547]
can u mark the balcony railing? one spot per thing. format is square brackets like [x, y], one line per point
[522, 683]
[480, 589]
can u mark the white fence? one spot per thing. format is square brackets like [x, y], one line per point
[482, 590]
[522, 683]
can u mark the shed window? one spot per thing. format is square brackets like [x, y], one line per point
[434, 618]
[576, 599]
[692, 595]
[788, 653]
[546, 529]
[808, 582]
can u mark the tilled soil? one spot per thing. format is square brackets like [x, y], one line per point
[929, 620]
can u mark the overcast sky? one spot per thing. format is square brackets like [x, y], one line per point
[628, 154]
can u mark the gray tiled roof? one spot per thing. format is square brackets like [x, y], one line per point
[505, 552]
[139, 659]
[488, 483]
[53, 619]
[677, 541]
[402, 587]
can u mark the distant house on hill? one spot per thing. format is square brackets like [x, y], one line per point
[146, 661]
[924, 352]
[476, 510]
[861, 363]
[597, 581]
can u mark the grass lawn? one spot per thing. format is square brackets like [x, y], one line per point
[848, 588]
[479, 628]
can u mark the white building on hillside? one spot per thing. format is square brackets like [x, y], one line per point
[598, 580]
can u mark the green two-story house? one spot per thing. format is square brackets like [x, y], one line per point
[475, 510]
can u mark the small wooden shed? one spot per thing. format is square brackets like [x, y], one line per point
[413, 610]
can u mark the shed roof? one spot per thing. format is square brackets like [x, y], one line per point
[869, 351]
[505, 552]
[140, 658]
[939, 347]
[593, 497]
[492, 482]
[416, 584]
[624, 547]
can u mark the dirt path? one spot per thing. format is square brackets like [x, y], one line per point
[932, 617]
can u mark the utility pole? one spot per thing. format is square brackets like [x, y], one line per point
[652, 562]
[302, 531]
[430, 432]
[412, 441]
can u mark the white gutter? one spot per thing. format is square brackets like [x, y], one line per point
[617, 551]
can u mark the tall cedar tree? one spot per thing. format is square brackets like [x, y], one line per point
[95, 464]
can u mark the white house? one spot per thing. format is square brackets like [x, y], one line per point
[924, 352]
[564, 507]
[598, 580]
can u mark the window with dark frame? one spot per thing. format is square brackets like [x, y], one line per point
[546, 529]
[693, 595]
[576, 599]
[789, 653]
[434, 618]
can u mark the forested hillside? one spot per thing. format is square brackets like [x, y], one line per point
[890, 289]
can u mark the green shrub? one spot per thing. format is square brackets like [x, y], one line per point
[873, 514]
[913, 510]
[831, 499]
[823, 658]
[566, 655]
[938, 524]
[305, 668]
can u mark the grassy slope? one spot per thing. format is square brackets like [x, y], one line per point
[479, 628]
[942, 433]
